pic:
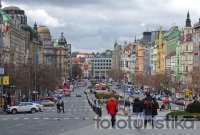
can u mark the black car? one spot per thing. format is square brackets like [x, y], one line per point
[78, 94]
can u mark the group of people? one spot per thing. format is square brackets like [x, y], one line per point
[146, 107]
[60, 106]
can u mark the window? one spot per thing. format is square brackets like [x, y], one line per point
[186, 47]
[186, 68]
[109, 60]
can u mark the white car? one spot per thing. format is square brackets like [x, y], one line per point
[23, 107]
[47, 103]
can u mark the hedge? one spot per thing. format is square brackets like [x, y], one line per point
[107, 96]
[183, 114]
[193, 107]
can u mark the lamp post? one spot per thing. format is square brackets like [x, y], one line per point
[29, 90]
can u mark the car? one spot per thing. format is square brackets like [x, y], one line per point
[23, 107]
[47, 103]
[78, 95]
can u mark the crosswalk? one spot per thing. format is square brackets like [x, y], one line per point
[47, 118]
[68, 109]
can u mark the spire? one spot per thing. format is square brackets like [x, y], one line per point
[135, 39]
[188, 21]
[35, 26]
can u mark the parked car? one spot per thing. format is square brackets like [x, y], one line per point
[23, 107]
[47, 103]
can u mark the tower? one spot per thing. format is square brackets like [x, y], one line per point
[188, 21]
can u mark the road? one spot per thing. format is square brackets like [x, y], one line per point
[77, 114]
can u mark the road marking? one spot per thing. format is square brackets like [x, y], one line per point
[90, 109]
[66, 118]
[55, 118]
[26, 118]
[19, 125]
[35, 118]
[87, 118]
[5, 119]
[53, 110]
[77, 118]
[15, 118]
[70, 110]
[48, 110]
[74, 109]
[45, 118]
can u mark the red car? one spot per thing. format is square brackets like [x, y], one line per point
[67, 92]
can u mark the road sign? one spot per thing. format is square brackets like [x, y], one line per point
[5, 80]
[1, 71]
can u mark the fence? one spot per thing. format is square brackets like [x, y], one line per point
[97, 110]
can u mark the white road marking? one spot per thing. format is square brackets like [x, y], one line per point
[45, 118]
[15, 118]
[55, 118]
[48, 110]
[87, 118]
[77, 118]
[19, 125]
[26, 118]
[90, 109]
[35, 118]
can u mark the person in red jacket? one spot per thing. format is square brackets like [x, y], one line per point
[112, 110]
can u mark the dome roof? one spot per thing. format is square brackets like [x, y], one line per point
[43, 29]
[11, 8]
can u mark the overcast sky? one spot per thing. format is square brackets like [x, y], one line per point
[94, 25]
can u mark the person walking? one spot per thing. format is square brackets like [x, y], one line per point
[62, 105]
[58, 107]
[138, 109]
[112, 108]
[127, 105]
[148, 108]
[154, 111]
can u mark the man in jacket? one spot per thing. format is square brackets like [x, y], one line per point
[148, 107]
[112, 110]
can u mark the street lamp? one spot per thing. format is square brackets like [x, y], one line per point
[29, 91]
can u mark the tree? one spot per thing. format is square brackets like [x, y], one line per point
[116, 74]
[77, 70]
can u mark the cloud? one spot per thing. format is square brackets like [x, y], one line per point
[95, 24]
[43, 18]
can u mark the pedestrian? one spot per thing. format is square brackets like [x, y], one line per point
[138, 109]
[154, 111]
[5, 106]
[112, 108]
[127, 105]
[58, 107]
[99, 102]
[148, 108]
[62, 105]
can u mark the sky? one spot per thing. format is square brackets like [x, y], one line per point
[95, 25]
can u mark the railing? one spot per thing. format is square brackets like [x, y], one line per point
[97, 110]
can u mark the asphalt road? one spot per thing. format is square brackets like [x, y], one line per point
[77, 114]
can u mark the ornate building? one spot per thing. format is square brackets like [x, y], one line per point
[186, 52]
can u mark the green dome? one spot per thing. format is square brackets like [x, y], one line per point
[6, 17]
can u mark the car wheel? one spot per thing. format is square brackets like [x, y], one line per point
[33, 110]
[14, 111]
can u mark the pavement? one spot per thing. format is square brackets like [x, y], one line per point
[77, 115]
